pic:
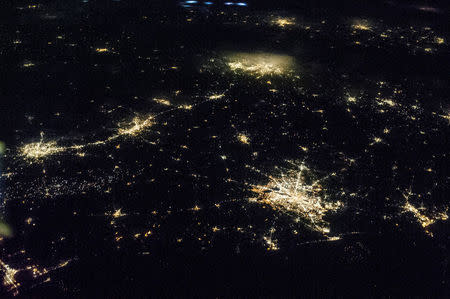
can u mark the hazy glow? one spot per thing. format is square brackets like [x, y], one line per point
[283, 22]
[361, 25]
[260, 64]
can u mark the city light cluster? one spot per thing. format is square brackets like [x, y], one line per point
[283, 22]
[135, 127]
[423, 219]
[289, 192]
[260, 64]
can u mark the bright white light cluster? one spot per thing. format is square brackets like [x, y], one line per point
[260, 64]
[289, 192]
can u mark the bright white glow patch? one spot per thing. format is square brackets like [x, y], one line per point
[101, 50]
[216, 96]
[361, 25]
[162, 101]
[260, 64]
[244, 139]
[38, 150]
[283, 22]
[423, 219]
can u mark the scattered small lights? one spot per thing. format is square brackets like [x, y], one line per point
[38, 150]
[272, 245]
[136, 126]
[186, 107]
